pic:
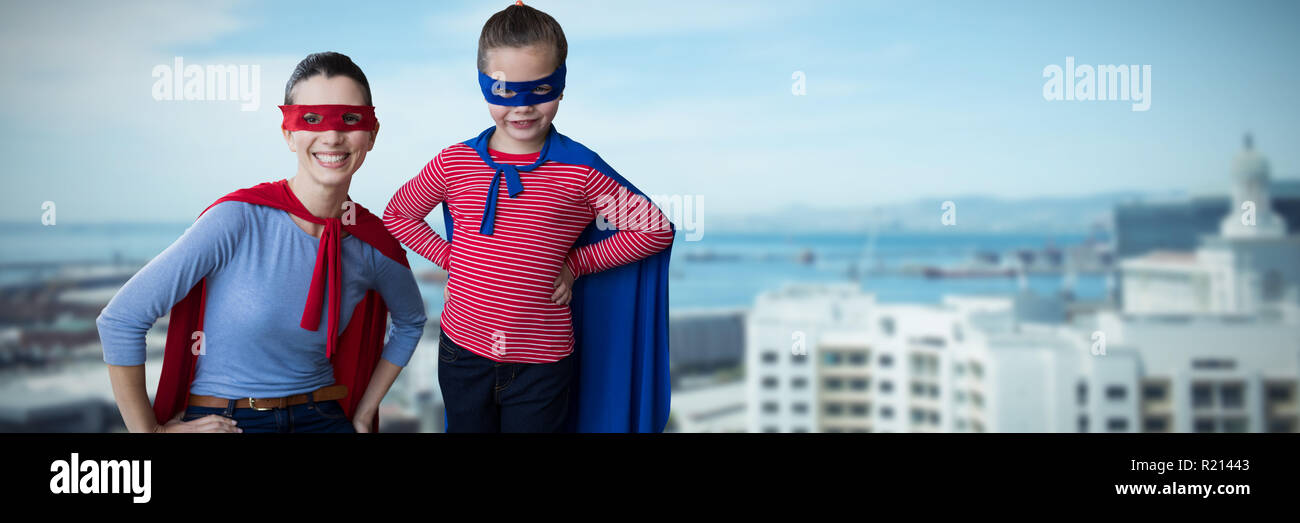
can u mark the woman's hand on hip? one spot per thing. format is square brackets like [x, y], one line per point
[209, 423]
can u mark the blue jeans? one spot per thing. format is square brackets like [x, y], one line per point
[313, 416]
[482, 395]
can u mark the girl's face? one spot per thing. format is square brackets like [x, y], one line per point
[525, 126]
[329, 157]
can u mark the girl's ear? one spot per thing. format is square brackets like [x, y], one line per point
[288, 138]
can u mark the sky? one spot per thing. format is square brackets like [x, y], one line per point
[903, 101]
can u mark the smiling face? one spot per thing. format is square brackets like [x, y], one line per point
[329, 157]
[522, 129]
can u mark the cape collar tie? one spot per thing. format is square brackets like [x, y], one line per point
[327, 274]
[511, 173]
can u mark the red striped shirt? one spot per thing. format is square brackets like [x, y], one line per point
[501, 284]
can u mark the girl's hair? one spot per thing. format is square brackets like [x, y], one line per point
[330, 64]
[519, 26]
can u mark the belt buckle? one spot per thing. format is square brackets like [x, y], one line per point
[252, 404]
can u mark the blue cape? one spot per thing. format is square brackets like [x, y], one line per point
[620, 320]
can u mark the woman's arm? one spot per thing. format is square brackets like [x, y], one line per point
[401, 294]
[205, 247]
[133, 402]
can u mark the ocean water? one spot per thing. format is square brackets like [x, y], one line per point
[738, 267]
[747, 264]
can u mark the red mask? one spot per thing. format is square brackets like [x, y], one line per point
[329, 118]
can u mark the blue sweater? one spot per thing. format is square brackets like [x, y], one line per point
[258, 264]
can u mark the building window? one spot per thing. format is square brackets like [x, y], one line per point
[770, 429]
[1278, 392]
[1117, 424]
[799, 408]
[918, 389]
[769, 357]
[1281, 425]
[886, 360]
[1214, 364]
[1083, 423]
[832, 358]
[799, 359]
[887, 412]
[1203, 425]
[1116, 393]
[1154, 392]
[769, 382]
[887, 326]
[1231, 394]
[858, 359]
[918, 416]
[1272, 290]
[798, 383]
[1234, 425]
[886, 386]
[1201, 395]
[834, 409]
[800, 429]
[858, 409]
[858, 384]
[834, 383]
[770, 407]
[1156, 424]
[934, 391]
[1081, 393]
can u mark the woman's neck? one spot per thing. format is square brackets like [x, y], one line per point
[321, 201]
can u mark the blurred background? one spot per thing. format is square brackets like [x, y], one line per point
[893, 217]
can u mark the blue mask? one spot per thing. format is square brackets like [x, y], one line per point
[521, 93]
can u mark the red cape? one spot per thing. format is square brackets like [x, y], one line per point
[354, 354]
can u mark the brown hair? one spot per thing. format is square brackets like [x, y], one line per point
[520, 26]
[330, 64]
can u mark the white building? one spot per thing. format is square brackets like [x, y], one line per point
[965, 365]
[969, 365]
[1250, 267]
[1206, 341]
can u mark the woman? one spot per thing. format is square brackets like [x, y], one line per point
[252, 282]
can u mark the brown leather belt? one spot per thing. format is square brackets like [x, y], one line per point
[332, 392]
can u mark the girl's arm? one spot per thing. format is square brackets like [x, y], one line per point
[642, 228]
[404, 216]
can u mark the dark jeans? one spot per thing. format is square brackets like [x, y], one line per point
[325, 416]
[482, 395]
